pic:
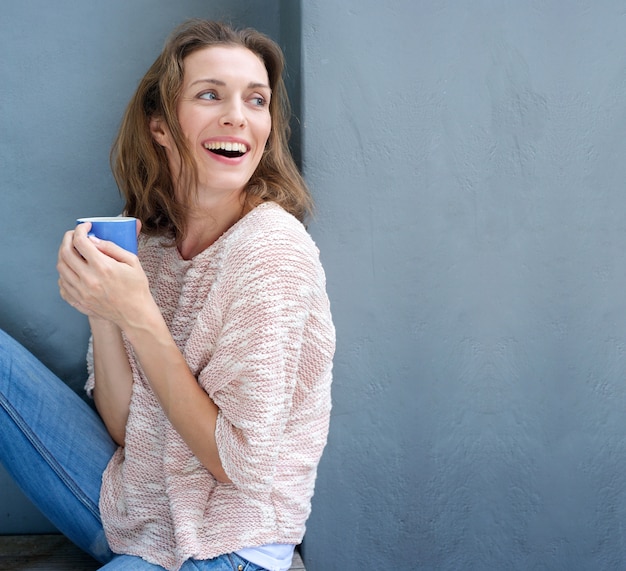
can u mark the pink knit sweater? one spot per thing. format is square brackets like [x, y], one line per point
[252, 318]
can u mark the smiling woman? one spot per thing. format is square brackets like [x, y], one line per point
[211, 349]
[140, 164]
[227, 115]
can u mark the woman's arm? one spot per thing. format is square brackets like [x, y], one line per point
[187, 406]
[275, 345]
[114, 377]
[108, 284]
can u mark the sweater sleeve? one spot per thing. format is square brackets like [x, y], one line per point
[273, 296]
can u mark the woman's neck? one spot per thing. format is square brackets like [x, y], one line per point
[205, 226]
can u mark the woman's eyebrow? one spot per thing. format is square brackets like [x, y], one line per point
[253, 85]
[219, 82]
[213, 81]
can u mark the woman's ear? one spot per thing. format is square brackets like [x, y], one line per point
[159, 132]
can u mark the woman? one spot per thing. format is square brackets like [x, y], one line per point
[211, 351]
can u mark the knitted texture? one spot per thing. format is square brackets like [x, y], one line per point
[252, 318]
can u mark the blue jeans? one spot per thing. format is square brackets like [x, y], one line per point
[56, 447]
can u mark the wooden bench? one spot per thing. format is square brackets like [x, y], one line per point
[56, 553]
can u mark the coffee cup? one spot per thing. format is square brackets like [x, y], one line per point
[122, 230]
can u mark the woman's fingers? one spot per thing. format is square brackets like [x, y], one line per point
[114, 251]
[97, 277]
[77, 279]
[86, 245]
[68, 259]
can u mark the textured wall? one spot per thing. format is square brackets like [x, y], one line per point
[67, 71]
[468, 161]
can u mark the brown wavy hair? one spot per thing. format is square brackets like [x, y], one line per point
[140, 165]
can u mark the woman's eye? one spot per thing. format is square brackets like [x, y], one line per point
[259, 101]
[209, 95]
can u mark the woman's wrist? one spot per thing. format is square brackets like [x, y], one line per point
[99, 324]
[146, 322]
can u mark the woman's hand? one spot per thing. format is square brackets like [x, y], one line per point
[100, 279]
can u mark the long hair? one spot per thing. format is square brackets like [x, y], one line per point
[140, 165]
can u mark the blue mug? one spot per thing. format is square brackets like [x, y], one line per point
[119, 229]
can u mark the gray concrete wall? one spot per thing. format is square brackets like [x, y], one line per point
[468, 161]
[67, 70]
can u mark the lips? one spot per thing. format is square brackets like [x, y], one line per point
[226, 148]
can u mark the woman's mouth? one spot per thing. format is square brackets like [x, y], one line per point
[226, 148]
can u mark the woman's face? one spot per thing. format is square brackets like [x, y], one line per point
[224, 115]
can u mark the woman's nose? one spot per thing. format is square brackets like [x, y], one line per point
[233, 115]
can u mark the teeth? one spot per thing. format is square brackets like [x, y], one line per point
[225, 146]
